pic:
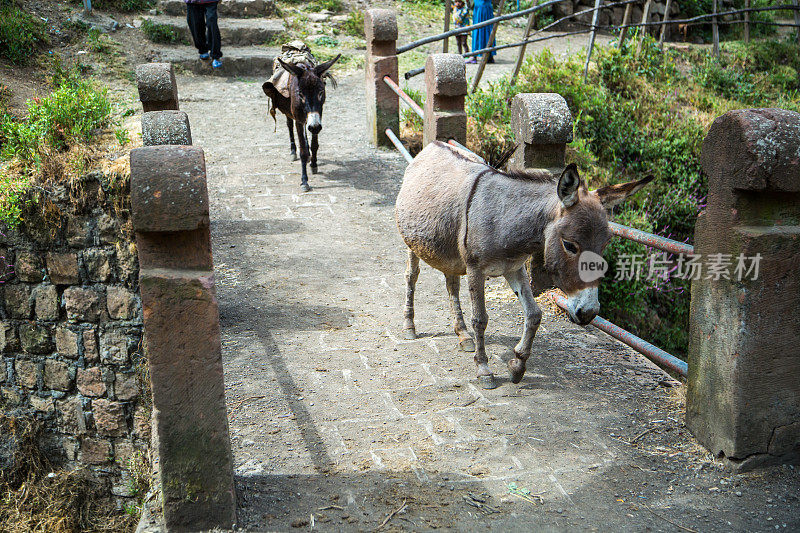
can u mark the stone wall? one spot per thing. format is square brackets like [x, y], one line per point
[71, 326]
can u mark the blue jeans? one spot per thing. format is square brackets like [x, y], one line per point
[202, 20]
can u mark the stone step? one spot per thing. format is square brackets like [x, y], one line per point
[234, 32]
[227, 8]
[236, 61]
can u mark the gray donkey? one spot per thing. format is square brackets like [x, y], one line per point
[462, 216]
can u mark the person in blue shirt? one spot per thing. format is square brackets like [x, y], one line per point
[461, 20]
[480, 37]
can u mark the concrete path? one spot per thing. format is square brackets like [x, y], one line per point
[338, 425]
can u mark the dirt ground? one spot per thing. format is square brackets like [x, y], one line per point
[336, 423]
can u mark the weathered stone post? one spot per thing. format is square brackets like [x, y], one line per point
[166, 127]
[158, 89]
[743, 399]
[169, 204]
[446, 88]
[542, 124]
[383, 105]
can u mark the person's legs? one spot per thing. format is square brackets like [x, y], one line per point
[197, 26]
[214, 39]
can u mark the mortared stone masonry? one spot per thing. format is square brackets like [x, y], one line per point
[383, 106]
[446, 88]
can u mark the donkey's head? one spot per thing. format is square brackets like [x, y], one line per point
[575, 239]
[310, 96]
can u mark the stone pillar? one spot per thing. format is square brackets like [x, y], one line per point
[743, 398]
[166, 127]
[383, 105]
[169, 210]
[158, 89]
[446, 88]
[542, 124]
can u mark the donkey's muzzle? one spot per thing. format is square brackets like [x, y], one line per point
[314, 123]
[584, 306]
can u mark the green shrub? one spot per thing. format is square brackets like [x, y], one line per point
[331, 5]
[121, 5]
[409, 117]
[327, 41]
[20, 33]
[354, 25]
[71, 114]
[162, 33]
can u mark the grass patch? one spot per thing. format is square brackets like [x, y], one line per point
[126, 6]
[334, 6]
[36, 497]
[20, 33]
[48, 142]
[162, 33]
[354, 25]
[645, 115]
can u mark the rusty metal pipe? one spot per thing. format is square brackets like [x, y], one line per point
[404, 97]
[397, 144]
[652, 352]
[649, 239]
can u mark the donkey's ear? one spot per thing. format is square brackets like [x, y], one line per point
[291, 68]
[322, 68]
[611, 195]
[568, 185]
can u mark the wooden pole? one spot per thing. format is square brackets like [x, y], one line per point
[485, 57]
[715, 30]
[664, 21]
[797, 18]
[747, 21]
[521, 56]
[645, 18]
[626, 19]
[448, 10]
[592, 37]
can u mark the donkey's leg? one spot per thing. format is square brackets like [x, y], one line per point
[464, 338]
[314, 146]
[533, 317]
[301, 138]
[412, 273]
[292, 146]
[476, 280]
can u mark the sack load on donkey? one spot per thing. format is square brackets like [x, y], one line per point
[297, 89]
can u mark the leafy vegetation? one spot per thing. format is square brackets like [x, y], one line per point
[334, 6]
[354, 25]
[20, 33]
[127, 6]
[645, 115]
[162, 33]
[70, 116]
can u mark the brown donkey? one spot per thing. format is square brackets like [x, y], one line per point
[299, 93]
[463, 217]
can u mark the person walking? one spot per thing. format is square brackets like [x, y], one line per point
[461, 20]
[481, 12]
[201, 15]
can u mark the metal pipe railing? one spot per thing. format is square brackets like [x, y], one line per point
[649, 239]
[465, 29]
[397, 144]
[652, 352]
[404, 97]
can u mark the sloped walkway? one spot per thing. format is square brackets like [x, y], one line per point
[337, 424]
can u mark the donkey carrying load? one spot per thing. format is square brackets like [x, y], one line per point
[297, 89]
[463, 217]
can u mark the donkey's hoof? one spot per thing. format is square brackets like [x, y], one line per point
[410, 334]
[314, 169]
[516, 367]
[305, 187]
[487, 382]
[467, 345]
[293, 155]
